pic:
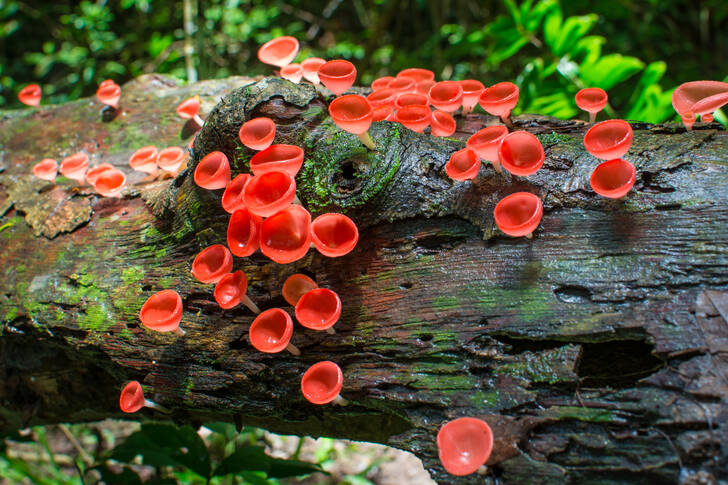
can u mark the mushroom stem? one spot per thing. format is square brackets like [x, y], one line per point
[296, 200]
[250, 304]
[367, 140]
[592, 116]
[688, 120]
[178, 331]
[497, 167]
[198, 120]
[293, 349]
[155, 406]
[506, 119]
[529, 235]
[482, 470]
[331, 331]
[467, 111]
[340, 401]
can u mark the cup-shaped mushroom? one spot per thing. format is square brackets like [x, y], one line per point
[383, 113]
[243, 233]
[464, 445]
[613, 179]
[231, 290]
[486, 143]
[472, 89]
[707, 106]
[414, 117]
[296, 286]
[93, 173]
[446, 95]
[258, 133]
[334, 234]
[311, 68]
[687, 94]
[382, 97]
[463, 165]
[162, 312]
[381, 82]
[322, 383]
[232, 198]
[318, 309]
[190, 109]
[46, 169]
[106, 83]
[212, 263]
[268, 193]
[521, 153]
[286, 236]
[278, 158]
[271, 332]
[354, 114]
[292, 72]
[410, 99]
[591, 100]
[30, 95]
[213, 171]
[144, 159]
[171, 159]
[131, 398]
[499, 100]
[74, 167]
[417, 74]
[402, 85]
[337, 75]
[109, 94]
[609, 139]
[442, 123]
[423, 87]
[279, 52]
[518, 214]
[110, 183]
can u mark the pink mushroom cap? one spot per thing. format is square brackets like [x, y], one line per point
[279, 52]
[521, 153]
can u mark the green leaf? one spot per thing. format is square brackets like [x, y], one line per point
[291, 468]
[552, 28]
[253, 459]
[126, 477]
[609, 71]
[573, 29]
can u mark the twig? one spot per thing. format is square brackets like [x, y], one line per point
[81, 452]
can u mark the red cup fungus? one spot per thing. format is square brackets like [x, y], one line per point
[110, 183]
[279, 52]
[268, 193]
[212, 263]
[381, 83]
[410, 99]
[613, 179]
[518, 214]
[190, 109]
[591, 100]
[402, 85]
[446, 95]
[132, 399]
[464, 445]
[383, 113]
[472, 90]
[706, 106]
[688, 94]
[285, 237]
[521, 153]
[171, 159]
[442, 124]
[463, 165]
[232, 198]
[46, 169]
[322, 383]
[30, 95]
[213, 171]
[499, 100]
[144, 159]
[609, 139]
[109, 94]
[337, 75]
[74, 167]
[296, 286]
[243, 233]
[162, 312]
[257, 133]
[414, 117]
[382, 97]
[334, 234]
[353, 113]
[93, 173]
[271, 332]
[417, 74]
[292, 72]
[318, 309]
[278, 158]
[231, 290]
[311, 68]
[423, 87]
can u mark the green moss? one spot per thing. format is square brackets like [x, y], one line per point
[11, 314]
[445, 302]
[553, 138]
[95, 318]
[132, 275]
[487, 399]
[593, 415]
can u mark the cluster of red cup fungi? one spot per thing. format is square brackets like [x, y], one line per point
[107, 180]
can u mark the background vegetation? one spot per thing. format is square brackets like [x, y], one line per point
[638, 50]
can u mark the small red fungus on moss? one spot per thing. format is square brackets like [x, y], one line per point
[271, 332]
[280, 158]
[521, 153]
[279, 52]
[109, 93]
[337, 75]
[172, 159]
[162, 312]
[311, 68]
[381, 83]
[292, 72]
[231, 290]
[30, 95]
[613, 179]
[285, 237]
[132, 399]
[334, 234]
[190, 109]
[268, 193]
[518, 214]
[382, 97]
[446, 96]
[499, 100]
[383, 113]
[257, 133]
[609, 139]
[74, 167]
[296, 286]
[144, 159]
[110, 183]
[213, 171]
[232, 198]
[417, 74]
[402, 85]
[93, 173]
[46, 169]
[591, 100]
[212, 263]
[411, 99]
[442, 123]
[414, 117]
[353, 113]
[688, 94]
[463, 165]
[464, 445]
[243, 233]
[322, 383]
[472, 90]
[318, 309]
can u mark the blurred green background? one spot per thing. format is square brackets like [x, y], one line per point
[638, 50]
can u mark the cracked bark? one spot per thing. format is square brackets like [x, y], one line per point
[596, 351]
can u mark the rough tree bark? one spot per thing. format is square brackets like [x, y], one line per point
[596, 351]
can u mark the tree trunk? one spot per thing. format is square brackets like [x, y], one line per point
[597, 351]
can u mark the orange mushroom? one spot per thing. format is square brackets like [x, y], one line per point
[292, 72]
[414, 117]
[402, 85]
[609, 139]
[311, 68]
[499, 100]
[296, 286]
[319, 309]
[411, 99]
[162, 312]
[486, 143]
[591, 100]
[171, 160]
[232, 198]
[231, 290]
[463, 165]
[337, 75]
[383, 113]
[144, 159]
[278, 158]
[271, 332]
[286, 236]
[417, 74]
[334, 234]
[74, 167]
[423, 87]
[446, 95]
[268, 193]
[472, 90]
[521, 153]
[30, 95]
[212, 263]
[189, 109]
[110, 183]
[243, 233]
[382, 97]
[706, 106]
[442, 123]
[613, 179]
[688, 94]
[381, 83]
[257, 133]
[518, 214]
[109, 93]
[322, 383]
[46, 169]
[93, 173]
[213, 171]
[464, 445]
[354, 114]
[279, 52]
[132, 399]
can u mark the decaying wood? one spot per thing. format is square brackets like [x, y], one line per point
[597, 351]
